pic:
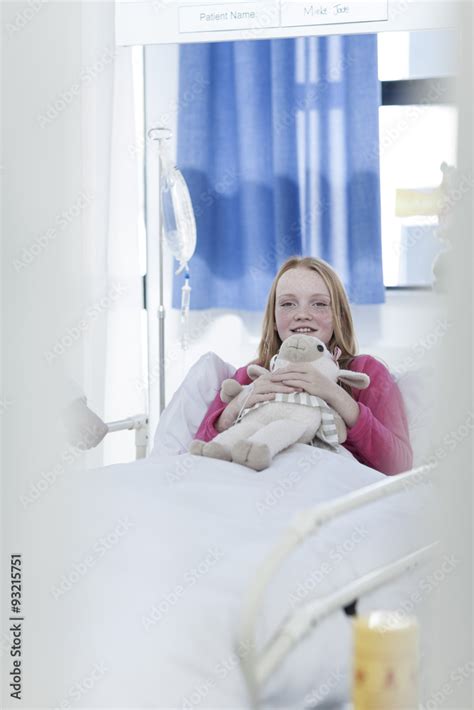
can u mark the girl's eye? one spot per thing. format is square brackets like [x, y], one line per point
[321, 305]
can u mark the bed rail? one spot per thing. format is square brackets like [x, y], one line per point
[138, 422]
[257, 667]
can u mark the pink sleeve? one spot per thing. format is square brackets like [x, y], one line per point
[380, 437]
[207, 430]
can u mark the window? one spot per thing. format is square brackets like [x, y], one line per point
[418, 124]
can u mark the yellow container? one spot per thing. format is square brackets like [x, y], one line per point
[386, 660]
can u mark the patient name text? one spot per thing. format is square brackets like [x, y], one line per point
[226, 16]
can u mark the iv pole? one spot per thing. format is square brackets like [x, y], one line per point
[142, 423]
[159, 134]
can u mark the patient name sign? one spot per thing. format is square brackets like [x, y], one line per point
[141, 22]
[228, 17]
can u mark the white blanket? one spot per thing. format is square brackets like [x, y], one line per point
[138, 602]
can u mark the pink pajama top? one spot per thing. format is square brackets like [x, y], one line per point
[378, 439]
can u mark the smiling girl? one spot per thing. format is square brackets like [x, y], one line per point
[308, 297]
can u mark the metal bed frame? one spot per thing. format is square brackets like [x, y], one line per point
[138, 423]
[257, 666]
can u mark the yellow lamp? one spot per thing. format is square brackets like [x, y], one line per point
[423, 203]
[386, 660]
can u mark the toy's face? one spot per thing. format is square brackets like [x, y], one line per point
[303, 305]
[303, 348]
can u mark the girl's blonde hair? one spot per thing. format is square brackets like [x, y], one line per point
[343, 327]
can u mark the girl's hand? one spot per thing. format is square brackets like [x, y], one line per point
[304, 377]
[264, 389]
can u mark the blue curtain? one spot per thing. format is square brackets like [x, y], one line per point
[278, 142]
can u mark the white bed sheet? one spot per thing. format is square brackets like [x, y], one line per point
[192, 535]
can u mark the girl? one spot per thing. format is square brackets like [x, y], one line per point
[308, 297]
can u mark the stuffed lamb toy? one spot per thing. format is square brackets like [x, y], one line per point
[267, 428]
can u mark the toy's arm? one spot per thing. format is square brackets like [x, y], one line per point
[340, 428]
[255, 371]
[233, 394]
[229, 389]
[207, 429]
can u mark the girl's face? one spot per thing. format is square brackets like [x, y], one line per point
[303, 305]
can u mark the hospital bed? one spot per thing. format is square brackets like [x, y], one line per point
[228, 587]
[242, 578]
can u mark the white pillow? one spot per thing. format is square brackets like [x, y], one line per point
[416, 388]
[182, 417]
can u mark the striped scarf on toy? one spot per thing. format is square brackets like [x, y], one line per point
[327, 432]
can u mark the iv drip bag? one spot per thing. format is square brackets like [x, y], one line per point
[179, 224]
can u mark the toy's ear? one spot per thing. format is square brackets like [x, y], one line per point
[355, 379]
[254, 371]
